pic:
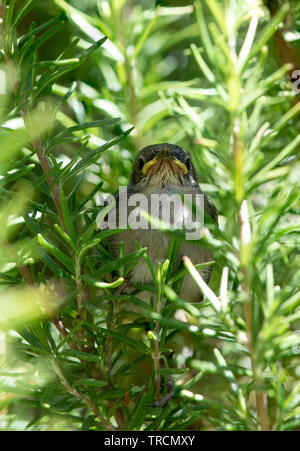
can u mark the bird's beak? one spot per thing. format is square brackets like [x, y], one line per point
[165, 157]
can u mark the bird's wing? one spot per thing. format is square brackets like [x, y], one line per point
[210, 209]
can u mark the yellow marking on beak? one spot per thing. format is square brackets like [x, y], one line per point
[181, 165]
[152, 162]
[149, 165]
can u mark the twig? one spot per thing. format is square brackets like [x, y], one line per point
[46, 167]
[167, 398]
[87, 401]
[23, 269]
[156, 354]
[156, 362]
[45, 164]
[63, 332]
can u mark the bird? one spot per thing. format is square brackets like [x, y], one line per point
[163, 169]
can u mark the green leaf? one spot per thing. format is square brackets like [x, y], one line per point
[67, 217]
[143, 38]
[218, 14]
[40, 28]
[87, 52]
[85, 125]
[22, 11]
[122, 338]
[66, 237]
[97, 283]
[66, 261]
[173, 370]
[90, 383]
[89, 196]
[202, 285]
[269, 30]
[141, 410]
[203, 30]
[80, 355]
[119, 263]
[43, 38]
[7, 19]
[57, 270]
[261, 176]
[202, 64]
[95, 155]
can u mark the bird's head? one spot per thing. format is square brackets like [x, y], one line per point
[160, 165]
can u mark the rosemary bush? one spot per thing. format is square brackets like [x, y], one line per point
[82, 90]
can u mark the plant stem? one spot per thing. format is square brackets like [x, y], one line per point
[45, 164]
[156, 354]
[80, 291]
[245, 234]
[87, 401]
[46, 167]
[156, 361]
[23, 269]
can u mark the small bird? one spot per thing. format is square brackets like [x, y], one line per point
[164, 169]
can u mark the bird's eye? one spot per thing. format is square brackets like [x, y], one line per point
[188, 164]
[140, 164]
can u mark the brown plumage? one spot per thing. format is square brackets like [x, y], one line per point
[165, 169]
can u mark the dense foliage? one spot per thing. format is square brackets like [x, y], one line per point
[83, 87]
